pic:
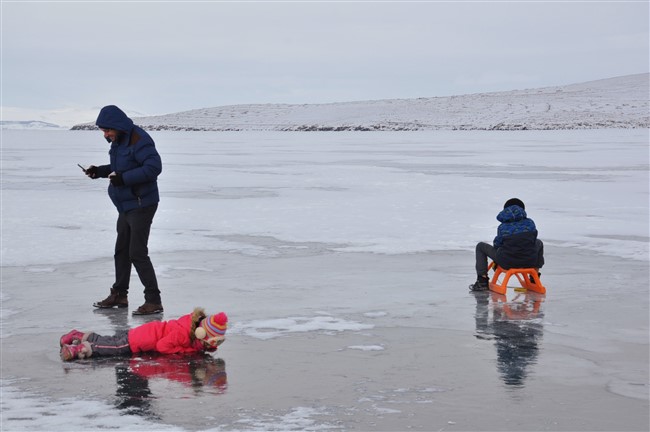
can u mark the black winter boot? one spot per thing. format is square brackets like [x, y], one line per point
[482, 284]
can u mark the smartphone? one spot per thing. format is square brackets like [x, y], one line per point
[82, 168]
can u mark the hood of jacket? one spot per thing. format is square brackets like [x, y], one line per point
[514, 213]
[111, 117]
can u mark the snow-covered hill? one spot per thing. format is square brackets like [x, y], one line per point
[28, 124]
[49, 119]
[620, 102]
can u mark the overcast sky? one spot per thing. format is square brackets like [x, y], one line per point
[165, 57]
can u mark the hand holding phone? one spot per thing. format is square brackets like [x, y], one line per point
[91, 171]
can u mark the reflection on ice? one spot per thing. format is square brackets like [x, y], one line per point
[516, 327]
[181, 376]
[197, 374]
[118, 318]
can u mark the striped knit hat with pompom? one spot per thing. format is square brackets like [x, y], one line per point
[212, 326]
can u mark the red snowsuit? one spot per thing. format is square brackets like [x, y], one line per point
[166, 337]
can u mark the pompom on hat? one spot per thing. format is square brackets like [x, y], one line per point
[212, 329]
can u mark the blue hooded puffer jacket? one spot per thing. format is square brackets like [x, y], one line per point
[516, 238]
[135, 157]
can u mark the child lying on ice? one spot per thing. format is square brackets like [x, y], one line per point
[190, 333]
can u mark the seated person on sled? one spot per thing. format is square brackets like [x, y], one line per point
[190, 333]
[515, 246]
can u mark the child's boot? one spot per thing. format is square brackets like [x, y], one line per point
[73, 352]
[482, 284]
[74, 337]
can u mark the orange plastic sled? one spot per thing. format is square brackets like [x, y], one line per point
[499, 282]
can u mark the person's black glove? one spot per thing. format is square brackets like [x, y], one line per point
[116, 180]
[91, 171]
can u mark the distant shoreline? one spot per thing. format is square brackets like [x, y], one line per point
[383, 128]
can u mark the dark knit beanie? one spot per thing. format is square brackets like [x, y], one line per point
[514, 201]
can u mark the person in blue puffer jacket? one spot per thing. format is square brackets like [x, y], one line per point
[516, 244]
[133, 172]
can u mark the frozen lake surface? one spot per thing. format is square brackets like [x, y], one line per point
[343, 261]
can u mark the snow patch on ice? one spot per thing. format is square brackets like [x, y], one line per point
[40, 269]
[377, 314]
[367, 347]
[32, 412]
[273, 328]
[170, 272]
[298, 419]
[382, 410]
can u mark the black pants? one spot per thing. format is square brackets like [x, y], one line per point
[131, 247]
[485, 250]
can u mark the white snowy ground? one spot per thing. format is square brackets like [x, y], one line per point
[343, 261]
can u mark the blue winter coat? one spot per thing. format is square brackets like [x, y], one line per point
[516, 238]
[135, 157]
